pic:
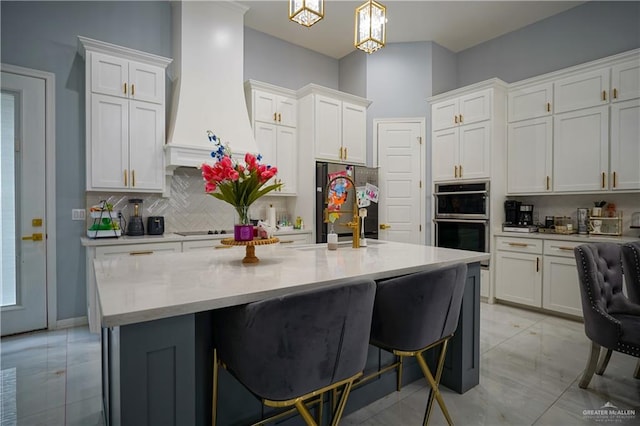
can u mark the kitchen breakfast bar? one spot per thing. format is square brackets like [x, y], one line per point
[157, 350]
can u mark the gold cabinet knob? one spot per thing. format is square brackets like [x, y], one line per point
[384, 226]
[37, 236]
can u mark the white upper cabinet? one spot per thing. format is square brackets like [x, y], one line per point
[466, 127]
[125, 118]
[530, 156]
[625, 81]
[273, 112]
[336, 122]
[272, 108]
[582, 90]
[466, 109]
[581, 150]
[625, 145]
[111, 75]
[530, 102]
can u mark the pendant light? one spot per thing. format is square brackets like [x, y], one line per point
[371, 22]
[306, 12]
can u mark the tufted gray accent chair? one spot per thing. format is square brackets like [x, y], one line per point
[289, 350]
[610, 319]
[631, 271]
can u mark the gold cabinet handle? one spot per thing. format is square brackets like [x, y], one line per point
[518, 244]
[275, 116]
[279, 117]
[139, 253]
[341, 152]
[566, 248]
[615, 93]
[125, 88]
[455, 171]
[604, 95]
[36, 236]
[615, 179]
[384, 226]
[460, 118]
[460, 170]
[455, 119]
[345, 153]
[548, 106]
[548, 181]
[133, 178]
[537, 264]
[133, 90]
[603, 178]
[125, 177]
[286, 241]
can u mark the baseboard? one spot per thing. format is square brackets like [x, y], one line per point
[70, 323]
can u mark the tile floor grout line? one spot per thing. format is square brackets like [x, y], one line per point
[556, 400]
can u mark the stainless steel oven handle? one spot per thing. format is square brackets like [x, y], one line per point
[461, 193]
[462, 220]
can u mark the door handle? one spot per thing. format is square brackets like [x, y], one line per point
[384, 226]
[36, 236]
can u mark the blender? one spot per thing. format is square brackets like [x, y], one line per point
[135, 227]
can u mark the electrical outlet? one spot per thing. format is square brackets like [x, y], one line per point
[78, 214]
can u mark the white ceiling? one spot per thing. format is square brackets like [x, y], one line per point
[456, 25]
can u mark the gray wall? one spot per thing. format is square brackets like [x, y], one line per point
[353, 73]
[585, 33]
[271, 60]
[43, 36]
[444, 66]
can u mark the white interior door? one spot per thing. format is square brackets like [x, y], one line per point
[22, 204]
[401, 204]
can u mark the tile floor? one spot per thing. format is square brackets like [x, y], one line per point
[530, 367]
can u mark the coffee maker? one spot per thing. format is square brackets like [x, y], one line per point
[135, 227]
[511, 212]
[525, 216]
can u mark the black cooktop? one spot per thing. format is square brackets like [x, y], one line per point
[209, 232]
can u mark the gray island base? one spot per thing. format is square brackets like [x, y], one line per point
[157, 350]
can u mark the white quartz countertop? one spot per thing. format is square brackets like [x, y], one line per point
[170, 237]
[134, 289]
[569, 237]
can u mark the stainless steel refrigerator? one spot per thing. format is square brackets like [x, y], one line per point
[361, 176]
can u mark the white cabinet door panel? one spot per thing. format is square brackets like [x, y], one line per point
[625, 81]
[147, 83]
[354, 133]
[530, 102]
[264, 106]
[109, 75]
[146, 138]
[328, 128]
[445, 154]
[287, 109]
[475, 151]
[443, 114]
[475, 107]
[581, 91]
[561, 289]
[581, 150]
[287, 159]
[518, 278]
[109, 142]
[266, 139]
[625, 145]
[529, 156]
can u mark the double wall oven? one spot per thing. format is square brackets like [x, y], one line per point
[462, 216]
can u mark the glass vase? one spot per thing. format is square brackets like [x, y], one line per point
[243, 230]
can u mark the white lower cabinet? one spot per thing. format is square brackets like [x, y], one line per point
[560, 286]
[539, 273]
[101, 252]
[294, 239]
[485, 282]
[518, 271]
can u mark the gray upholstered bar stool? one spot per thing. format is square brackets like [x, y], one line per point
[415, 313]
[631, 272]
[611, 320]
[290, 350]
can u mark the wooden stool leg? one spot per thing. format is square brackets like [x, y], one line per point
[602, 365]
[637, 373]
[592, 363]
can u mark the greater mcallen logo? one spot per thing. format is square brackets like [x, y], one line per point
[610, 413]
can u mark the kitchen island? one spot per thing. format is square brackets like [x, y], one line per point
[156, 323]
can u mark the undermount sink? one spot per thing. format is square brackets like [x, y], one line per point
[341, 244]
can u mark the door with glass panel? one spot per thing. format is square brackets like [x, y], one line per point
[23, 296]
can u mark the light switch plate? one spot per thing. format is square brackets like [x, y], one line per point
[78, 214]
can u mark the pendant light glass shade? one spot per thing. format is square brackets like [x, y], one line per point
[371, 26]
[306, 12]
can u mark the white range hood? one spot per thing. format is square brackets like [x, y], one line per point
[207, 75]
